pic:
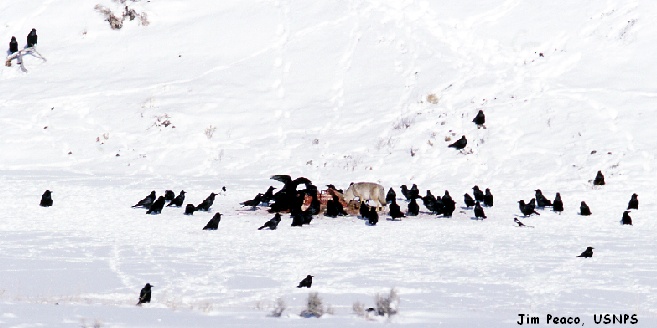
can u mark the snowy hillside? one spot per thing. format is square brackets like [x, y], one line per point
[203, 94]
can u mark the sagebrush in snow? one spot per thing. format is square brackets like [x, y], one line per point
[279, 308]
[387, 304]
[314, 306]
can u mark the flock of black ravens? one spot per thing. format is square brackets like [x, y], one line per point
[291, 199]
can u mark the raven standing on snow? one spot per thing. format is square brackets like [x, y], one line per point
[459, 144]
[467, 199]
[213, 224]
[480, 119]
[626, 218]
[306, 282]
[272, 224]
[587, 253]
[157, 206]
[147, 201]
[145, 294]
[46, 199]
[584, 209]
[178, 200]
[479, 211]
[488, 198]
[557, 204]
[634, 202]
[395, 211]
[413, 208]
[599, 179]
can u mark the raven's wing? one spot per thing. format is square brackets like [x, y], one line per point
[284, 178]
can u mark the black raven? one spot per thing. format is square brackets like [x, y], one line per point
[557, 204]
[480, 119]
[306, 282]
[147, 201]
[213, 224]
[587, 253]
[459, 144]
[599, 179]
[178, 200]
[488, 198]
[584, 209]
[633, 203]
[145, 294]
[626, 218]
[272, 224]
[46, 199]
[467, 199]
[479, 211]
[157, 206]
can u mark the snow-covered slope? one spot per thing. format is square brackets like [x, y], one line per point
[215, 93]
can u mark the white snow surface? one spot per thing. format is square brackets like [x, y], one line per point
[335, 91]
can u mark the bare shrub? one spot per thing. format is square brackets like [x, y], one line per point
[314, 307]
[209, 131]
[359, 308]
[278, 308]
[143, 19]
[403, 123]
[115, 22]
[387, 304]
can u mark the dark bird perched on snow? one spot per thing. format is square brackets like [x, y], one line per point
[584, 209]
[306, 282]
[147, 201]
[391, 196]
[541, 201]
[488, 198]
[479, 211]
[413, 208]
[190, 209]
[372, 216]
[587, 253]
[207, 203]
[145, 294]
[405, 192]
[213, 224]
[157, 206]
[414, 192]
[634, 202]
[13, 45]
[480, 119]
[626, 218]
[557, 204]
[32, 38]
[272, 224]
[46, 199]
[334, 208]
[599, 179]
[449, 205]
[433, 204]
[169, 195]
[467, 199]
[178, 200]
[285, 198]
[526, 209]
[478, 194]
[459, 144]
[253, 202]
[268, 196]
[395, 210]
